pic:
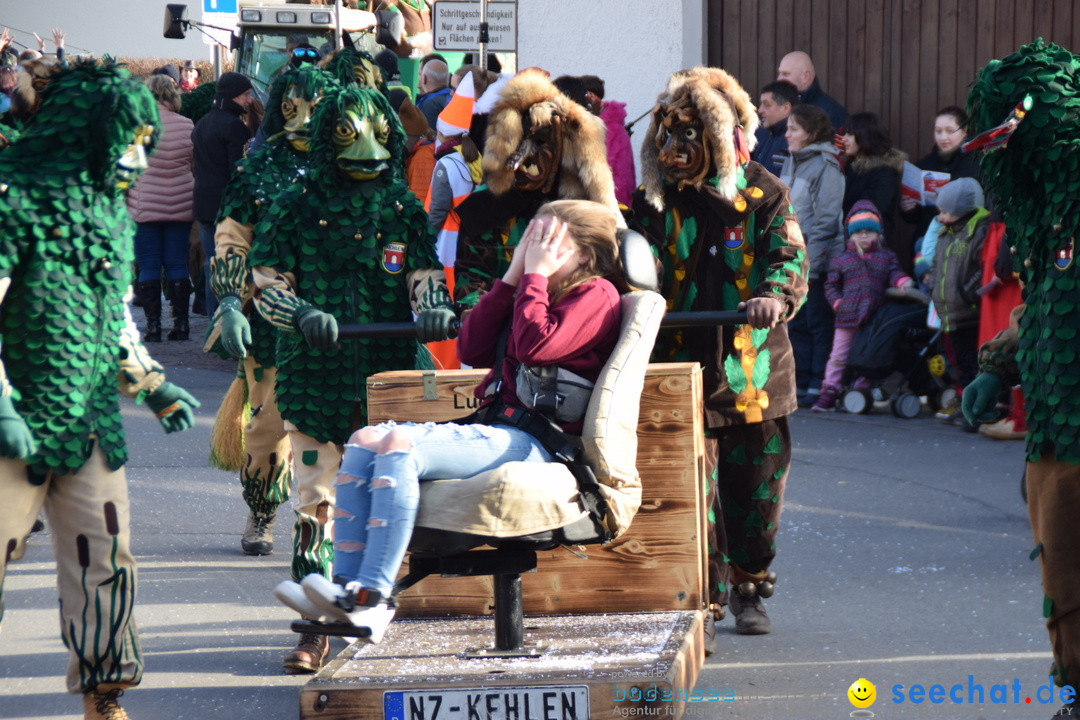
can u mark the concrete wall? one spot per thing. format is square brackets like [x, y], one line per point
[634, 46]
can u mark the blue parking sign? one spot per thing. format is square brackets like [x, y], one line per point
[219, 6]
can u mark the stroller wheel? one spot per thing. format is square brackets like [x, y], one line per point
[947, 398]
[858, 402]
[906, 405]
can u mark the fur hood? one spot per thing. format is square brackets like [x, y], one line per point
[894, 159]
[583, 174]
[722, 105]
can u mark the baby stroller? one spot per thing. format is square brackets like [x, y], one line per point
[898, 353]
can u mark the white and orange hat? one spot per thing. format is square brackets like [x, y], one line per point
[456, 117]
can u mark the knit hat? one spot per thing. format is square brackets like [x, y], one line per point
[387, 61]
[169, 70]
[232, 84]
[412, 120]
[456, 117]
[960, 196]
[864, 216]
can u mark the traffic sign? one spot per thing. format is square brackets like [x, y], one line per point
[455, 25]
[219, 6]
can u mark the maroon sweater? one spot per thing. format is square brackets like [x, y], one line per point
[577, 334]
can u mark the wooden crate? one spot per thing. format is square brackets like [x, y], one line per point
[637, 665]
[658, 564]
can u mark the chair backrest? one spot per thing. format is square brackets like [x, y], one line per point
[610, 430]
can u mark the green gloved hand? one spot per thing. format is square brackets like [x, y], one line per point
[980, 397]
[16, 440]
[435, 324]
[318, 328]
[235, 328]
[173, 406]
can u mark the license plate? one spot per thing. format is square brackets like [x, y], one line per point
[553, 702]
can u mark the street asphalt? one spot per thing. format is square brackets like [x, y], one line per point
[903, 559]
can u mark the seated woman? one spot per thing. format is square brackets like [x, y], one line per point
[559, 296]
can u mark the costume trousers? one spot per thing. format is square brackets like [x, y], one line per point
[267, 473]
[1053, 505]
[89, 519]
[746, 469]
[378, 495]
[316, 465]
[843, 338]
[811, 334]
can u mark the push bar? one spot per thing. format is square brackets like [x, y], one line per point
[704, 318]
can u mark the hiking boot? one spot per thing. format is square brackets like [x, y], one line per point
[259, 535]
[308, 656]
[750, 616]
[103, 705]
[826, 401]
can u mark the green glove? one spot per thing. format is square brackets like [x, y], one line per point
[235, 328]
[435, 324]
[980, 397]
[16, 440]
[318, 328]
[173, 406]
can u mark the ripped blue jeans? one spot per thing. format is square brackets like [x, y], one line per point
[378, 494]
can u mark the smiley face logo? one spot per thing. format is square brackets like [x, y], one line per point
[862, 693]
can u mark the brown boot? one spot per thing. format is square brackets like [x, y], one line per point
[308, 656]
[103, 705]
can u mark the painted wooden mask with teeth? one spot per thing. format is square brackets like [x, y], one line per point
[536, 161]
[683, 144]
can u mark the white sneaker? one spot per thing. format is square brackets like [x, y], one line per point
[375, 618]
[325, 594]
[293, 596]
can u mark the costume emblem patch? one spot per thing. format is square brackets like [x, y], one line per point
[393, 257]
[733, 238]
[1065, 255]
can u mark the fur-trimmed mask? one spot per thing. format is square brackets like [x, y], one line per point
[540, 140]
[702, 127]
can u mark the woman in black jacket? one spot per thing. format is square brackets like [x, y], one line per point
[873, 168]
[947, 157]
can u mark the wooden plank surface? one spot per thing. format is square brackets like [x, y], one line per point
[625, 661]
[658, 564]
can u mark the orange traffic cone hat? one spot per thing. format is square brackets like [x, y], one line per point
[456, 117]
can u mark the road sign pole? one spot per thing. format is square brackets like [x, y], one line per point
[483, 35]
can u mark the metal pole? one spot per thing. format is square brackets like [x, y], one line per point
[671, 320]
[483, 36]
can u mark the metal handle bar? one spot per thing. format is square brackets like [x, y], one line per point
[408, 329]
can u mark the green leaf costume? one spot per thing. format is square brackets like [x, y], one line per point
[361, 250]
[66, 248]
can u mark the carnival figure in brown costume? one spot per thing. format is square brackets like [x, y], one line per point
[728, 239]
[541, 146]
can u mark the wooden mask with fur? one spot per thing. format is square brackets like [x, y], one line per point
[692, 135]
[540, 140]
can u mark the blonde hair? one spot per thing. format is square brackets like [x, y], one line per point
[592, 227]
[165, 91]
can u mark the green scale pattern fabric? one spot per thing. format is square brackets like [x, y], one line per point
[1039, 172]
[259, 178]
[66, 241]
[342, 275]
